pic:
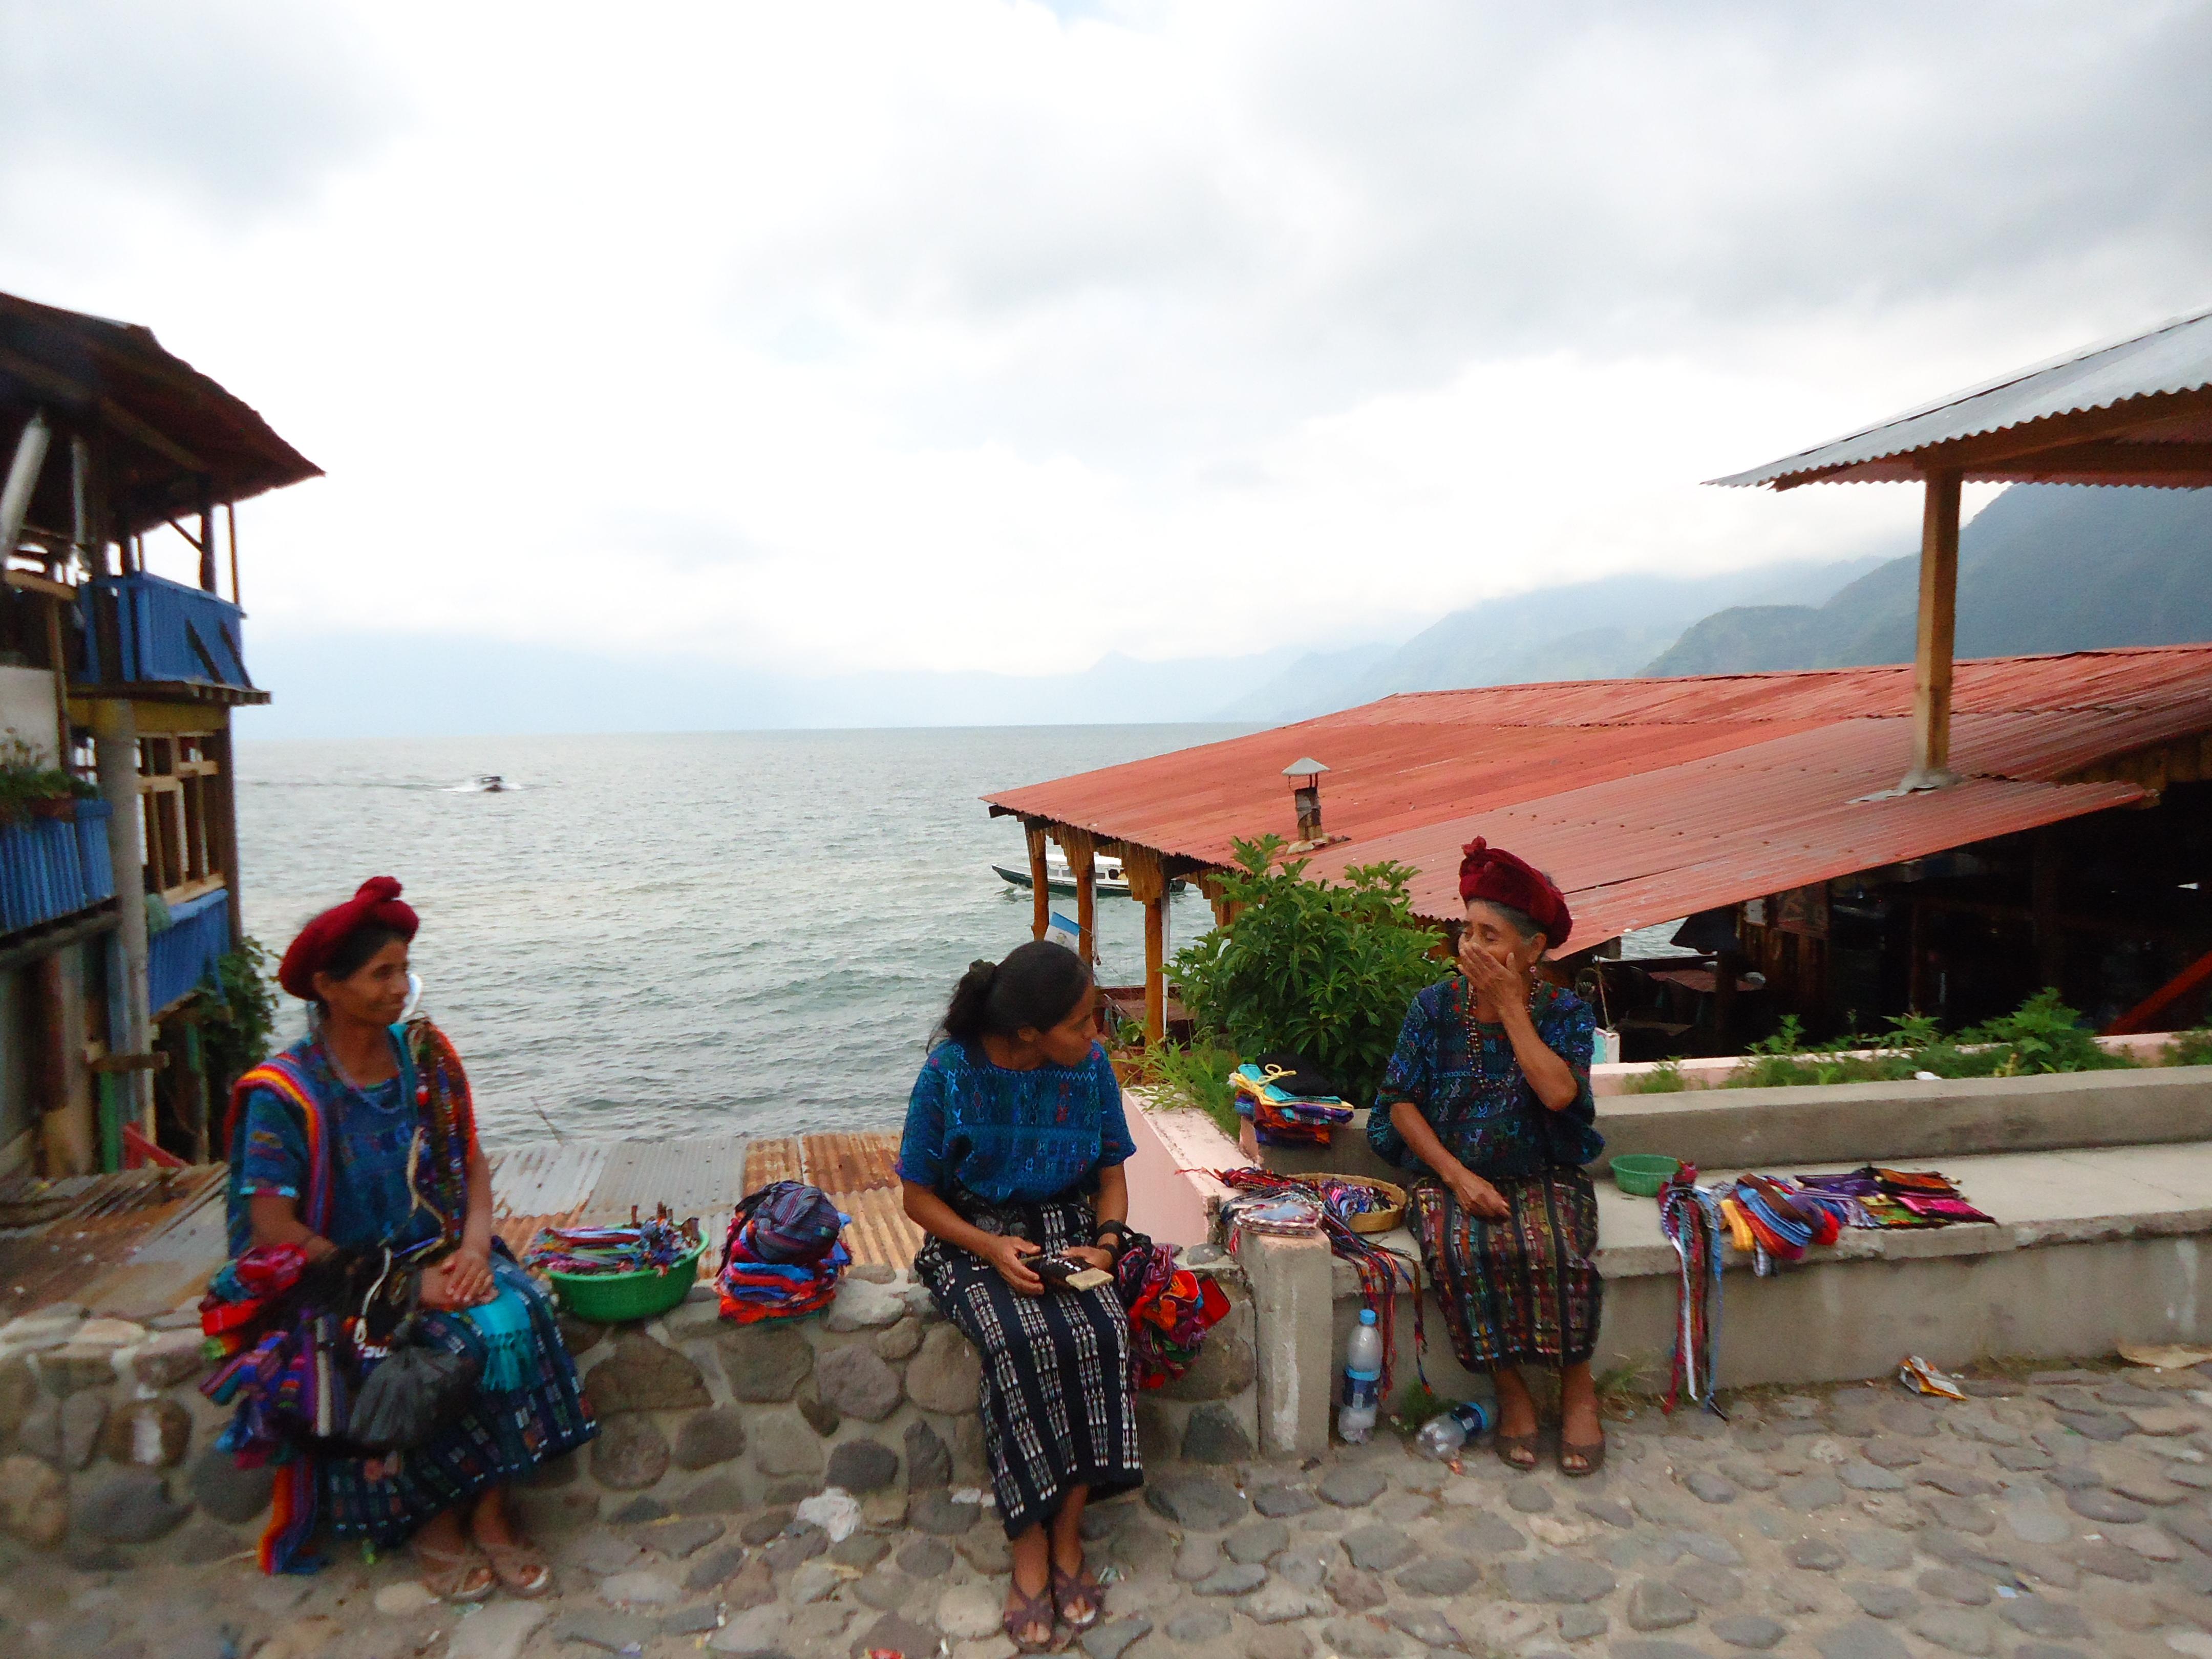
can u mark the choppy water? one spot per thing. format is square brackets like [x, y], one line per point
[746, 932]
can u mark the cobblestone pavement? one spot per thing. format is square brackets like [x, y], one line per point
[2058, 1517]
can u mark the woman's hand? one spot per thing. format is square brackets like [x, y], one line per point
[1501, 983]
[1005, 1252]
[1477, 1196]
[463, 1280]
[1092, 1255]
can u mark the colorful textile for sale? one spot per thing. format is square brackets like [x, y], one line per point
[753, 1289]
[649, 1246]
[1170, 1310]
[1280, 1117]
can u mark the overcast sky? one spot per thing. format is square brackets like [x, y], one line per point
[819, 336]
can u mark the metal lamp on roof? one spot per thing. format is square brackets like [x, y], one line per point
[1306, 795]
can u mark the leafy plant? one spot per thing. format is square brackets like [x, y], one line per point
[2042, 1034]
[242, 1017]
[1663, 1078]
[1322, 969]
[25, 777]
[2192, 1047]
[1198, 1077]
[1416, 1404]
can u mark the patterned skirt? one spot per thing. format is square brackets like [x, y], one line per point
[502, 1437]
[1059, 1407]
[1522, 1291]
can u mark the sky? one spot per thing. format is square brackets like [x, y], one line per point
[960, 336]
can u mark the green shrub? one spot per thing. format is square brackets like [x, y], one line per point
[1324, 969]
[2189, 1048]
[2042, 1034]
[1664, 1078]
[1198, 1077]
[240, 1023]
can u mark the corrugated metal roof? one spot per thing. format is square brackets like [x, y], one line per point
[1648, 799]
[2175, 357]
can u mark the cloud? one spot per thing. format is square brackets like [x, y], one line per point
[990, 335]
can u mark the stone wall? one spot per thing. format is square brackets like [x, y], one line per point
[106, 1441]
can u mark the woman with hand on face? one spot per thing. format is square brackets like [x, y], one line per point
[1013, 1151]
[361, 1140]
[1488, 1097]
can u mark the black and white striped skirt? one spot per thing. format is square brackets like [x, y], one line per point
[1058, 1403]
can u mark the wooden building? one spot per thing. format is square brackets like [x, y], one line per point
[114, 908]
[1852, 843]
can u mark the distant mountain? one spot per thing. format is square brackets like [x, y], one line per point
[1599, 630]
[2042, 567]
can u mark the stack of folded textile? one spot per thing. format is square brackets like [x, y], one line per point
[783, 1256]
[649, 1246]
[1896, 1197]
[1280, 1117]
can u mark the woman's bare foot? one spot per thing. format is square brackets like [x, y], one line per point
[1029, 1616]
[452, 1571]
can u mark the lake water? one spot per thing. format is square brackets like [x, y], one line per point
[670, 935]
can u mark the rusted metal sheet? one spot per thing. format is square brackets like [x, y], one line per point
[2176, 357]
[546, 1177]
[767, 1161]
[691, 1176]
[852, 1163]
[75, 1232]
[1647, 798]
[878, 1233]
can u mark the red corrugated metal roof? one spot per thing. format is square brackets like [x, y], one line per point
[1648, 798]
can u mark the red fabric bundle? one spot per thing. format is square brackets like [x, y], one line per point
[1496, 876]
[377, 901]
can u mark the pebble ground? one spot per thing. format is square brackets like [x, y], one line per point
[2062, 1516]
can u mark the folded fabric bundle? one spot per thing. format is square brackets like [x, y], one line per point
[1280, 1117]
[752, 1290]
[1171, 1309]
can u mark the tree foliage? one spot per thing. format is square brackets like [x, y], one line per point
[1324, 970]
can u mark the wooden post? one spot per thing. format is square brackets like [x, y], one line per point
[192, 1092]
[1082, 851]
[2042, 901]
[207, 535]
[222, 822]
[230, 522]
[57, 658]
[1148, 885]
[1938, 628]
[1039, 889]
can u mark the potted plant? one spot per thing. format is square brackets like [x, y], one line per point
[30, 789]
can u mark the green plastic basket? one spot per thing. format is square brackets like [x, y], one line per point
[616, 1298]
[1643, 1173]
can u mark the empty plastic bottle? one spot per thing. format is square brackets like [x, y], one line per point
[1443, 1435]
[1363, 1381]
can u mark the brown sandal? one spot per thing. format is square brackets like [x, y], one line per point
[1517, 1451]
[1027, 1612]
[519, 1568]
[1593, 1458]
[1067, 1585]
[447, 1574]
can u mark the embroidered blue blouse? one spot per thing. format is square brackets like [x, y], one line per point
[1463, 1075]
[1011, 1137]
[370, 1130]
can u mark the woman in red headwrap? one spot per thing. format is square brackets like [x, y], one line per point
[1487, 1096]
[357, 1193]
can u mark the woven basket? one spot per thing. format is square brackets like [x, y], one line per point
[1375, 1221]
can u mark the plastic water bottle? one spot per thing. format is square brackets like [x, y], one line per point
[1443, 1435]
[1363, 1382]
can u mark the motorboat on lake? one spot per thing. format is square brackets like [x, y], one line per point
[1108, 878]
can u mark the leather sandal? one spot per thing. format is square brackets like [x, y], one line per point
[1517, 1451]
[521, 1569]
[1025, 1611]
[447, 1574]
[1069, 1586]
[1593, 1458]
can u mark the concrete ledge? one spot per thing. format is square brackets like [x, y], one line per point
[1850, 1123]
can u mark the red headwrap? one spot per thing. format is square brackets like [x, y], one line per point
[1497, 877]
[377, 902]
